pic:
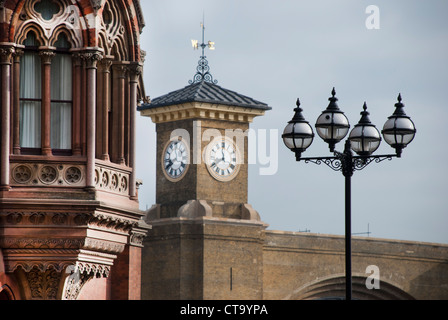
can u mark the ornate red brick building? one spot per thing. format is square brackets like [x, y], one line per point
[70, 224]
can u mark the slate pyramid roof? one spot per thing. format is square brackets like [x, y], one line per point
[207, 92]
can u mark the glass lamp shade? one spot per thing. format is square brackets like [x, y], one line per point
[332, 125]
[365, 137]
[298, 134]
[399, 130]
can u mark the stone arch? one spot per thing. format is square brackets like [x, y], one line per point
[68, 18]
[6, 293]
[333, 287]
[115, 35]
[30, 27]
[62, 30]
[105, 23]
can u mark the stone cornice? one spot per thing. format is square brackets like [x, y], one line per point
[62, 219]
[200, 110]
[361, 246]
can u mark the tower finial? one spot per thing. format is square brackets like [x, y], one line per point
[203, 70]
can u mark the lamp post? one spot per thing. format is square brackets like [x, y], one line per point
[332, 126]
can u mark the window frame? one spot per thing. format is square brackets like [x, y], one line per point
[36, 49]
[55, 151]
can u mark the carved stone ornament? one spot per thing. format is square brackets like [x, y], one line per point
[79, 275]
[40, 243]
[136, 69]
[105, 64]
[136, 238]
[29, 265]
[74, 283]
[22, 174]
[91, 58]
[103, 245]
[50, 16]
[41, 174]
[112, 30]
[73, 175]
[111, 180]
[110, 222]
[46, 56]
[6, 54]
[43, 285]
[96, 219]
[48, 174]
[96, 5]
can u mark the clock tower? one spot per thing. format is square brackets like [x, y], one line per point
[206, 240]
[202, 150]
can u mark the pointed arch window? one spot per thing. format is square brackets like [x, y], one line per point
[30, 95]
[61, 97]
[58, 127]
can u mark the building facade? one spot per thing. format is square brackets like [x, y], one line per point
[208, 243]
[70, 224]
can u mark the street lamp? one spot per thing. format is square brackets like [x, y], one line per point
[298, 134]
[364, 139]
[399, 130]
[332, 125]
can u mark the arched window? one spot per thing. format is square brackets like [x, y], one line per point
[61, 97]
[30, 95]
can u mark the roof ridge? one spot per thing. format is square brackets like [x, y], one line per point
[199, 89]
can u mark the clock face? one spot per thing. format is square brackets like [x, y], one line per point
[222, 160]
[175, 160]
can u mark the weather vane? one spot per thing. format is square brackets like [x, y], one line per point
[203, 69]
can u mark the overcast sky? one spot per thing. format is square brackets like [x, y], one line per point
[277, 51]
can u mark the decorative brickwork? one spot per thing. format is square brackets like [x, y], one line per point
[69, 206]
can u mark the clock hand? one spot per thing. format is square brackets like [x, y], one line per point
[168, 163]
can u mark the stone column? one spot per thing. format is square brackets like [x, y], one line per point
[77, 73]
[105, 73]
[5, 64]
[16, 102]
[136, 70]
[118, 126]
[91, 58]
[46, 54]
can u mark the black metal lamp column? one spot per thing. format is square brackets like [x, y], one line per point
[332, 126]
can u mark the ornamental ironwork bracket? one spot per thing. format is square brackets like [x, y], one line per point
[339, 161]
[346, 162]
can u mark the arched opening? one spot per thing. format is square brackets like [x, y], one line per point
[6, 293]
[333, 288]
